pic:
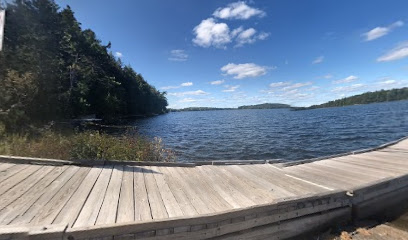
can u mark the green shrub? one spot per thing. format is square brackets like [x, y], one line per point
[88, 145]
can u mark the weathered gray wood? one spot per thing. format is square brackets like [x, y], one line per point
[182, 199]
[17, 178]
[73, 207]
[219, 203]
[142, 207]
[290, 208]
[108, 212]
[230, 193]
[90, 211]
[189, 191]
[29, 211]
[50, 210]
[15, 208]
[256, 194]
[4, 166]
[155, 199]
[126, 207]
[170, 202]
[19, 189]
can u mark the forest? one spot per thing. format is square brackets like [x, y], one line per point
[365, 98]
[52, 69]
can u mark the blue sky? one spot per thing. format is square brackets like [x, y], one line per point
[232, 53]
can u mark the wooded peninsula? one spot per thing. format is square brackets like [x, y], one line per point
[51, 69]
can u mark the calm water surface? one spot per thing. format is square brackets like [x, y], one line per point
[277, 133]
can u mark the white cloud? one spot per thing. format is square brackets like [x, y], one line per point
[244, 70]
[230, 88]
[388, 83]
[193, 93]
[381, 31]
[169, 87]
[348, 79]
[247, 36]
[218, 82]
[210, 33]
[318, 60]
[296, 85]
[399, 52]
[350, 88]
[178, 55]
[187, 100]
[238, 10]
[279, 84]
[187, 84]
[118, 54]
[327, 76]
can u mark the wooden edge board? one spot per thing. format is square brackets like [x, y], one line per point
[379, 187]
[330, 200]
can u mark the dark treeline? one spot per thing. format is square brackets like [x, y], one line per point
[257, 106]
[265, 106]
[193, 109]
[52, 69]
[365, 98]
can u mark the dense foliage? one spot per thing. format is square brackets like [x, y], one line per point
[52, 69]
[369, 97]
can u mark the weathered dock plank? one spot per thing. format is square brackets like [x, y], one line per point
[250, 200]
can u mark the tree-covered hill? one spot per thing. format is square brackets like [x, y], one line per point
[365, 98]
[265, 106]
[50, 68]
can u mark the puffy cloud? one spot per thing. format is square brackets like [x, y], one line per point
[118, 54]
[247, 36]
[296, 85]
[218, 82]
[318, 60]
[238, 10]
[230, 88]
[350, 88]
[381, 31]
[210, 33]
[348, 79]
[187, 100]
[279, 84]
[193, 93]
[244, 70]
[178, 55]
[187, 84]
[399, 52]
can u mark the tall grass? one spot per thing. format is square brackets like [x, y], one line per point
[87, 145]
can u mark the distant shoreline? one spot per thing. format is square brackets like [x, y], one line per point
[397, 94]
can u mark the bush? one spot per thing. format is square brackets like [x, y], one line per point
[88, 145]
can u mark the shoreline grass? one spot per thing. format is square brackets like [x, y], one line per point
[85, 145]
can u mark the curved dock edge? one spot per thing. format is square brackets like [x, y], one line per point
[281, 162]
[298, 162]
[285, 218]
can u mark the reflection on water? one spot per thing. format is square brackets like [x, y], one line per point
[277, 133]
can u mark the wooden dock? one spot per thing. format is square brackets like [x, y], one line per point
[52, 199]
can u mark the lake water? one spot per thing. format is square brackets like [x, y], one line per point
[277, 133]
